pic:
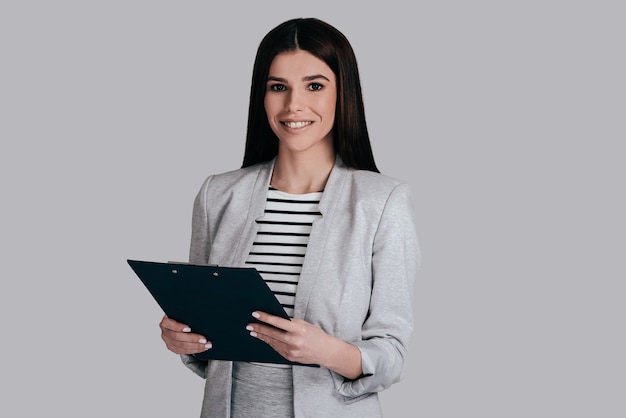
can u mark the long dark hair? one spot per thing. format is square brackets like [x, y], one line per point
[350, 138]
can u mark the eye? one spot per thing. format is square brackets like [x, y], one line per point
[315, 86]
[277, 87]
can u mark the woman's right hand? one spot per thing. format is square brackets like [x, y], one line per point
[179, 338]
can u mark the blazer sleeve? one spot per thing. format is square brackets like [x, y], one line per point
[387, 330]
[200, 239]
[199, 253]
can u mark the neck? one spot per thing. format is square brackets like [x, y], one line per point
[300, 174]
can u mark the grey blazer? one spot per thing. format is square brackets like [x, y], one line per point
[356, 281]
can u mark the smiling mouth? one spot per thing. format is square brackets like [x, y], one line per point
[295, 125]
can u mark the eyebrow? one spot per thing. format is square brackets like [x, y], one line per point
[307, 78]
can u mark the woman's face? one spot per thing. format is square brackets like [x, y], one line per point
[300, 99]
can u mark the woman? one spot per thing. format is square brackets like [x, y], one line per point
[308, 184]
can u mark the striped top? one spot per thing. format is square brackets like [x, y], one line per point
[280, 244]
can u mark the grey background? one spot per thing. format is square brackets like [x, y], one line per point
[507, 118]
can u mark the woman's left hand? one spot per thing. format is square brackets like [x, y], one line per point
[296, 340]
[300, 341]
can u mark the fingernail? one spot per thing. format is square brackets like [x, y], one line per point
[208, 345]
[187, 329]
[249, 328]
[202, 340]
[253, 334]
[255, 314]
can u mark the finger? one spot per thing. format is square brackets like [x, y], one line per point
[279, 340]
[173, 325]
[270, 335]
[185, 343]
[186, 348]
[260, 331]
[179, 338]
[183, 336]
[275, 321]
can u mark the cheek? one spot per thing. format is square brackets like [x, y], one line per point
[330, 108]
[272, 107]
[270, 113]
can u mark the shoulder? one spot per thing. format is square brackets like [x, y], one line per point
[375, 181]
[376, 186]
[220, 183]
[367, 194]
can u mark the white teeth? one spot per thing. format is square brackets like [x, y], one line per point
[297, 124]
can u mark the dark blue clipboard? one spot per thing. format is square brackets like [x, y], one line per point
[216, 302]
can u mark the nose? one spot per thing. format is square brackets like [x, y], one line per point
[294, 101]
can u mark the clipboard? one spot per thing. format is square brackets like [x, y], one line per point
[216, 302]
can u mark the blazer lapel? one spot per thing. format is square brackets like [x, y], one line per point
[319, 237]
[258, 198]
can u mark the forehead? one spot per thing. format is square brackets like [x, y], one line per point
[298, 64]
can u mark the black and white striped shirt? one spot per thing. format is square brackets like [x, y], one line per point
[280, 244]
